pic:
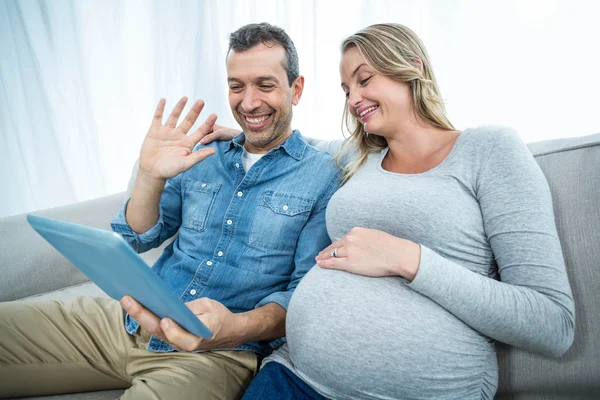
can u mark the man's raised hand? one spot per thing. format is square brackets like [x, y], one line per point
[167, 149]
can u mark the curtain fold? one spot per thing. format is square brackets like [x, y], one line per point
[79, 80]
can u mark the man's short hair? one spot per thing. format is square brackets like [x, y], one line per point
[251, 35]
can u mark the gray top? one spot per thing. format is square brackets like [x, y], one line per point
[491, 269]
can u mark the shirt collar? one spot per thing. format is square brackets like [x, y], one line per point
[294, 146]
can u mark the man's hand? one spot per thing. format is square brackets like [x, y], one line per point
[167, 149]
[225, 325]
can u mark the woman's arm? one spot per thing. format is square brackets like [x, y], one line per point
[532, 306]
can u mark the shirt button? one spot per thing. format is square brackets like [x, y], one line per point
[229, 222]
[240, 194]
[220, 254]
[209, 263]
[285, 208]
[193, 292]
[204, 185]
[237, 165]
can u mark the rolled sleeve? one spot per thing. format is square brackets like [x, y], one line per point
[140, 242]
[281, 298]
[169, 219]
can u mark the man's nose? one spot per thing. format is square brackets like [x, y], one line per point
[251, 100]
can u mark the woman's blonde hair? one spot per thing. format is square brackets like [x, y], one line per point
[395, 51]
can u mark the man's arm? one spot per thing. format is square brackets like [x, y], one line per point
[266, 321]
[143, 207]
[229, 330]
[263, 323]
[166, 152]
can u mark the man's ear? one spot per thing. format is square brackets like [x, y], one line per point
[298, 88]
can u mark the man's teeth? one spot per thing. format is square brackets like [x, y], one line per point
[368, 110]
[257, 120]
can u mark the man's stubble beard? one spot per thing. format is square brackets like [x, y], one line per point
[278, 129]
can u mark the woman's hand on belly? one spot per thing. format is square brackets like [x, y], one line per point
[374, 253]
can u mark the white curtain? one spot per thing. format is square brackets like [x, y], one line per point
[79, 80]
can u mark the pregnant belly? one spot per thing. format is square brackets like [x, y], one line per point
[356, 337]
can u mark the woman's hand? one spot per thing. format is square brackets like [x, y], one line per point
[374, 253]
[221, 133]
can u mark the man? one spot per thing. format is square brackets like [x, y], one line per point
[250, 216]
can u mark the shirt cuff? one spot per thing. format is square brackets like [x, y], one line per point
[119, 225]
[435, 274]
[427, 270]
[281, 298]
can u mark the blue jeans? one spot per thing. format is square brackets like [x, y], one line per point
[276, 382]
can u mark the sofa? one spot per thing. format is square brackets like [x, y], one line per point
[31, 268]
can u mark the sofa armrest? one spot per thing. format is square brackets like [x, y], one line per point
[29, 265]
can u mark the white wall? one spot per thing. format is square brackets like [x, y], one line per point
[79, 80]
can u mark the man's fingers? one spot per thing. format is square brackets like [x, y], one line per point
[179, 337]
[158, 114]
[200, 306]
[192, 116]
[204, 129]
[147, 320]
[197, 156]
[176, 113]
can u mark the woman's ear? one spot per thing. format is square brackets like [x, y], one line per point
[418, 63]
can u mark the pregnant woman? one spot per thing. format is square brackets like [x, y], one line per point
[444, 242]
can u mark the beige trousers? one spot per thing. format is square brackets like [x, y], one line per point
[51, 347]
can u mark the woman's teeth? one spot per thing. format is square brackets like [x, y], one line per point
[368, 110]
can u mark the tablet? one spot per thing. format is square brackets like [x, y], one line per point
[107, 259]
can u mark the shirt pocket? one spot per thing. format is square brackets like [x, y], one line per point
[279, 219]
[198, 200]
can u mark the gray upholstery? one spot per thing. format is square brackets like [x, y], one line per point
[101, 395]
[572, 168]
[30, 267]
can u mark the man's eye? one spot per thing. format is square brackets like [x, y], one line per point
[266, 87]
[235, 88]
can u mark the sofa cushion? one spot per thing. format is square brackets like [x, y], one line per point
[572, 168]
[30, 264]
[100, 395]
[83, 289]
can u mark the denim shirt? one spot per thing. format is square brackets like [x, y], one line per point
[245, 239]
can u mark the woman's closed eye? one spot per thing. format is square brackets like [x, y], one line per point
[363, 82]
